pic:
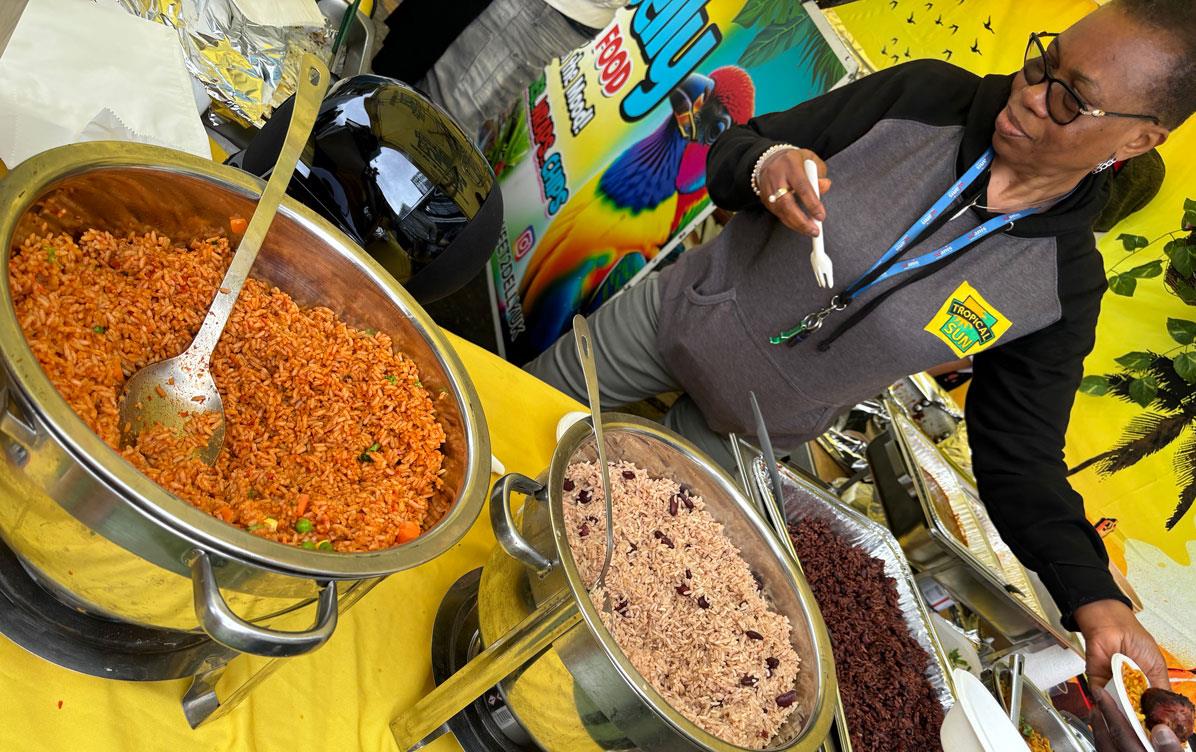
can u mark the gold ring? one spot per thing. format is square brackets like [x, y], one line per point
[778, 194]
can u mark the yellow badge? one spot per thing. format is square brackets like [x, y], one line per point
[967, 323]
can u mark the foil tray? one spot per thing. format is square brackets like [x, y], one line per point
[806, 501]
[949, 508]
[960, 512]
[935, 411]
[958, 521]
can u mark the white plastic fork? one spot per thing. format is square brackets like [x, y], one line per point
[824, 270]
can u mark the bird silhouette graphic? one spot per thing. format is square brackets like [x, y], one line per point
[893, 40]
[939, 21]
[976, 47]
[947, 53]
[989, 25]
[910, 20]
[907, 51]
[896, 58]
[954, 28]
[884, 50]
[929, 6]
[892, 3]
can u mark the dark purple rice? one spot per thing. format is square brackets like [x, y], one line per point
[890, 704]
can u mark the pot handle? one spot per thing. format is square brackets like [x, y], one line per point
[504, 523]
[11, 425]
[427, 719]
[231, 631]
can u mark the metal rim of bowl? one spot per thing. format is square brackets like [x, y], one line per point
[1031, 692]
[573, 438]
[27, 182]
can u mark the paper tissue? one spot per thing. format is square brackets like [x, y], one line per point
[76, 71]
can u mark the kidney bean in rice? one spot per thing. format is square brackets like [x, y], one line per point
[331, 440]
[687, 611]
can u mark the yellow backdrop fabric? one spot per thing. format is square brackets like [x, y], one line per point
[340, 698]
[1157, 562]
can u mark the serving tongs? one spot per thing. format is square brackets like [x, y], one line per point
[774, 514]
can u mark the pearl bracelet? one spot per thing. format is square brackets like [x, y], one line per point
[770, 151]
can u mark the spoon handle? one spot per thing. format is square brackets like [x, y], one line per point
[313, 83]
[585, 352]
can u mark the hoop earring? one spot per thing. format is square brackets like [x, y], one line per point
[1105, 165]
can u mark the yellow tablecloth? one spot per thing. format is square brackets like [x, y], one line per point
[339, 699]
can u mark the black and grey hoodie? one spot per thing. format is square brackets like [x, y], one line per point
[1023, 302]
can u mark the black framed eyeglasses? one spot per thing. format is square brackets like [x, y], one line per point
[1063, 104]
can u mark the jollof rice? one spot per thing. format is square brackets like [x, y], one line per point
[331, 440]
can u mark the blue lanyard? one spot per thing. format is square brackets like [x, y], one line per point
[865, 281]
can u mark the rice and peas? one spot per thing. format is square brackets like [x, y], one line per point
[331, 441]
[687, 610]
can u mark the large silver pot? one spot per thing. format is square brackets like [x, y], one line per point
[563, 676]
[110, 541]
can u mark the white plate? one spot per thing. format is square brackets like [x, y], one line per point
[976, 723]
[952, 639]
[1123, 698]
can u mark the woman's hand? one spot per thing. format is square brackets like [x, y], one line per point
[1114, 732]
[1110, 627]
[798, 207]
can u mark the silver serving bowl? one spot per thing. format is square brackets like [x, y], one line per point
[1040, 713]
[583, 693]
[106, 538]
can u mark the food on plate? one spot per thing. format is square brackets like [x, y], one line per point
[1161, 706]
[881, 667]
[332, 442]
[1135, 684]
[687, 611]
[1036, 741]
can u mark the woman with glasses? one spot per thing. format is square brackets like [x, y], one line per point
[959, 225]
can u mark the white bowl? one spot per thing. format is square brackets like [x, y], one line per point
[566, 421]
[976, 722]
[1123, 698]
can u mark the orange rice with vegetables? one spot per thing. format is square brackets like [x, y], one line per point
[331, 440]
[1135, 685]
[1035, 740]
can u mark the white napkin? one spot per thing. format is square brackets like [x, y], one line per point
[282, 12]
[1053, 665]
[75, 71]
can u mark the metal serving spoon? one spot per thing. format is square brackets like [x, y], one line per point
[585, 353]
[172, 391]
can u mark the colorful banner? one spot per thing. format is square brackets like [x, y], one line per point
[1132, 438]
[602, 166]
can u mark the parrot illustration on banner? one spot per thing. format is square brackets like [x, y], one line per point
[635, 205]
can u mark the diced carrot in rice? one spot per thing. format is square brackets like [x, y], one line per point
[164, 292]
